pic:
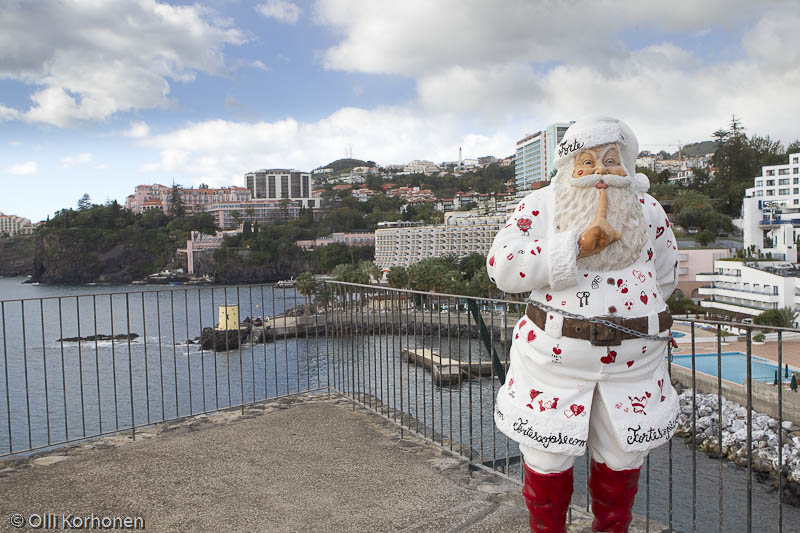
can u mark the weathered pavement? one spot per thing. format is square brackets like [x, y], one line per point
[306, 463]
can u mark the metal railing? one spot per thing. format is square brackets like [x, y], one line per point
[380, 363]
[429, 362]
[142, 360]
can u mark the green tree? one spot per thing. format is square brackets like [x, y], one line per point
[84, 203]
[204, 223]
[397, 277]
[783, 317]
[177, 208]
[704, 238]
[350, 274]
[678, 304]
[371, 270]
[307, 286]
[237, 217]
[333, 254]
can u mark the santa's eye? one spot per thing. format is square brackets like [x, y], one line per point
[611, 161]
[588, 162]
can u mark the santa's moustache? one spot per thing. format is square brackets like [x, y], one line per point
[576, 203]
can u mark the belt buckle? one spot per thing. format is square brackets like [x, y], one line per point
[605, 336]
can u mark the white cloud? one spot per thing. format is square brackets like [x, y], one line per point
[137, 130]
[89, 60]
[24, 169]
[220, 152]
[7, 113]
[280, 10]
[538, 62]
[77, 159]
[417, 37]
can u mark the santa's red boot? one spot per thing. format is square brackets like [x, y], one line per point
[547, 497]
[612, 492]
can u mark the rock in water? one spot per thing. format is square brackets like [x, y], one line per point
[220, 341]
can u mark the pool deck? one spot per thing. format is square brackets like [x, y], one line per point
[768, 350]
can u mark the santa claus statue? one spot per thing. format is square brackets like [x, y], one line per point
[591, 245]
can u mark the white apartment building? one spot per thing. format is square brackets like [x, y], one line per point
[750, 289]
[419, 166]
[12, 225]
[402, 244]
[261, 211]
[771, 210]
[279, 183]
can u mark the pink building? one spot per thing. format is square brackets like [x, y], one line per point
[350, 239]
[413, 194]
[693, 261]
[157, 196]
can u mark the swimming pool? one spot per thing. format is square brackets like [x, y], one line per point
[734, 366]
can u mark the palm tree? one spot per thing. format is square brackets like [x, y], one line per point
[788, 316]
[397, 277]
[306, 285]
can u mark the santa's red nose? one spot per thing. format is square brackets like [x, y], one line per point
[601, 185]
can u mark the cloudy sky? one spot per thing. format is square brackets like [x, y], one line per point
[97, 96]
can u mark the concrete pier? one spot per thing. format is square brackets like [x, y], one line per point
[446, 370]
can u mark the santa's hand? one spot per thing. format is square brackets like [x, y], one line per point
[599, 233]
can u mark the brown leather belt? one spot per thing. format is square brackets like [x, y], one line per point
[600, 334]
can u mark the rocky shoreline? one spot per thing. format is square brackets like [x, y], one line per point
[765, 440]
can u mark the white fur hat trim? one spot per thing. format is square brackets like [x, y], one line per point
[588, 133]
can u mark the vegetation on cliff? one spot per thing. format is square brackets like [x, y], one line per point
[109, 243]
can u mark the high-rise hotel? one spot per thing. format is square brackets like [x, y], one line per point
[535, 156]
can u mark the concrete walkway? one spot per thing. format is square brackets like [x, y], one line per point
[306, 463]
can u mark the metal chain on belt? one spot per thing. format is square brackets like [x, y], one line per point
[595, 320]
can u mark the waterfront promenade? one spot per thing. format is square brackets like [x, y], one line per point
[303, 463]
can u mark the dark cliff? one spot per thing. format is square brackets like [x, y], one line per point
[16, 256]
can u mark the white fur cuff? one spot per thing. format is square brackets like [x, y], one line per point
[563, 256]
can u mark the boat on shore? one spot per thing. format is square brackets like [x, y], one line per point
[285, 284]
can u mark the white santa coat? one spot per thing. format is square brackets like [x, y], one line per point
[547, 397]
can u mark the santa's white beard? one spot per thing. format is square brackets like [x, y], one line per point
[577, 206]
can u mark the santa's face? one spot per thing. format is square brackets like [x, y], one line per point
[597, 162]
[576, 192]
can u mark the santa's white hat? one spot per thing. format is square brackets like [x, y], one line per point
[591, 132]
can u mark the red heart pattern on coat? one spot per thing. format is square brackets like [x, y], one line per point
[548, 297]
[643, 298]
[629, 363]
[531, 336]
[522, 274]
[491, 261]
[659, 231]
[576, 409]
[609, 358]
[535, 213]
[556, 350]
[647, 393]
